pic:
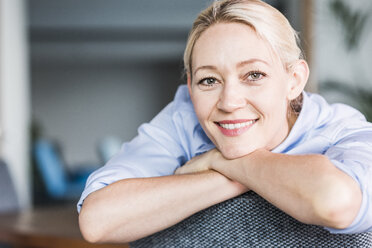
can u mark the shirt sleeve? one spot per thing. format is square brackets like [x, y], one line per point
[156, 151]
[353, 155]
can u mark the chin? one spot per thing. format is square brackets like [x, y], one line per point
[233, 153]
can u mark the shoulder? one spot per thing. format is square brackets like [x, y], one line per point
[329, 113]
[180, 121]
[335, 121]
[182, 100]
[321, 125]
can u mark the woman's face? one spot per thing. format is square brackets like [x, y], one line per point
[239, 89]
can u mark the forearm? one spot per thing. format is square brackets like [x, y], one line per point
[130, 209]
[307, 187]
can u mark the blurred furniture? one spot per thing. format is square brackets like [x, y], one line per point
[55, 227]
[248, 221]
[8, 196]
[59, 183]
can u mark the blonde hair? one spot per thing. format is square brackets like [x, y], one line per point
[267, 22]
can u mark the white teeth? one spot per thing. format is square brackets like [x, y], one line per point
[237, 125]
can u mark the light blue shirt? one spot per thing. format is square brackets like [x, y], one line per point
[174, 136]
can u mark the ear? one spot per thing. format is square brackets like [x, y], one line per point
[299, 75]
[189, 82]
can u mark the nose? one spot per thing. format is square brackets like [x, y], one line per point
[231, 98]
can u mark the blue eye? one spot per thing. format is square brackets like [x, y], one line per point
[255, 75]
[207, 82]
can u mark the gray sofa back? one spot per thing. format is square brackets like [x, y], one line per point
[248, 221]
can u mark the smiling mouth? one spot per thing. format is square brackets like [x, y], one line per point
[235, 127]
[236, 124]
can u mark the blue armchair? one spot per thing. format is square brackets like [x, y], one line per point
[60, 184]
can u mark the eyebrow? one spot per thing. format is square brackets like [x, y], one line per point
[240, 64]
[251, 61]
[204, 67]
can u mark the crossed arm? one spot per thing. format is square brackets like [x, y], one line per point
[307, 187]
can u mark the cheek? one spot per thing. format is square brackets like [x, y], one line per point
[276, 110]
[273, 104]
[278, 93]
[276, 117]
[203, 105]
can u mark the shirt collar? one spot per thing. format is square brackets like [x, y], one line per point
[205, 144]
[304, 122]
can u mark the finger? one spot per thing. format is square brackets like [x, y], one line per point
[182, 170]
[178, 171]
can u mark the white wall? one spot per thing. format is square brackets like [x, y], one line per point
[14, 95]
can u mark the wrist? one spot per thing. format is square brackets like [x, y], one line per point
[227, 188]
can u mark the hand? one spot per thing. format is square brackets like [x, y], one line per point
[200, 163]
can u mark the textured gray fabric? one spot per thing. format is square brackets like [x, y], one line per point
[248, 221]
[8, 197]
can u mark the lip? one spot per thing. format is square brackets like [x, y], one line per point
[235, 121]
[235, 131]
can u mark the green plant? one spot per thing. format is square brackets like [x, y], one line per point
[354, 25]
[353, 22]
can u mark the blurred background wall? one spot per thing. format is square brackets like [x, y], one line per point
[102, 68]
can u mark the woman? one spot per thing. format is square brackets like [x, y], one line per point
[242, 123]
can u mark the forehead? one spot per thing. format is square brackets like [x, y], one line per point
[226, 44]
